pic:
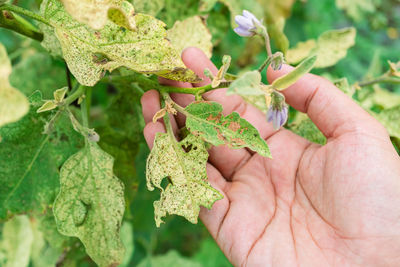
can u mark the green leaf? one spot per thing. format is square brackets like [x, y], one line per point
[307, 129]
[292, 77]
[39, 72]
[149, 7]
[330, 47]
[13, 104]
[210, 254]
[16, 242]
[59, 94]
[27, 154]
[172, 258]
[247, 84]
[390, 118]
[96, 13]
[90, 204]
[90, 53]
[47, 106]
[205, 119]
[128, 242]
[191, 32]
[183, 164]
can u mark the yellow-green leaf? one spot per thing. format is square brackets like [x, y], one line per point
[247, 84]
[191, 32]
[390, 118]
[152, 7]
[357, 9]
[47, 106]
[90, 204]
[95, 13]
[13, 104]
[90, 53]
[59, 94]
[205, 119]
[183, 164]
[330, 47]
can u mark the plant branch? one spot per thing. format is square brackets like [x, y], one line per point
[75, 95]
[20, 25]
[24, 12]
[385, 78]
[167, 121]
[265, 64]
[267, 42]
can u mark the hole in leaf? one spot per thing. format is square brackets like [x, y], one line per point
[165, 182]
[100, 58]
[187, 148]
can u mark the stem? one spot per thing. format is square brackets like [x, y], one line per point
[168, 89]
[25, 12]
[265, 64]
[382, 79]
[18, 24]
[75, 95]
[267, 42]
[167, 120]
[84, 111]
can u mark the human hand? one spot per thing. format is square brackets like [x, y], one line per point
[311, 205]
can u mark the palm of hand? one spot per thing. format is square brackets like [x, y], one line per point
[312, 205]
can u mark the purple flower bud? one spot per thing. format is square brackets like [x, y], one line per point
[248, 24]
[277, 115]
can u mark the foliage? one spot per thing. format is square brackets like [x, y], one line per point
[73, 173]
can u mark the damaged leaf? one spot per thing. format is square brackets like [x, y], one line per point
[183, 164]
[90, 53]
[90, 204]
[205, 119]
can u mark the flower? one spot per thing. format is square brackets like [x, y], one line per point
[248, 24]
[277, 61]
[278, 116]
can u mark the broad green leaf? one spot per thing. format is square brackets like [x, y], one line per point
[192, 32]
[292, 77]
[96, 13]
[128, 242]
[210, 254]
[13, 104]
[172, 258]
[247, 84]
[205, 119]
[121, 135]
[39, 72]
[90, 53]
[257, 101]
[16, 242]
[390, 118]
[148, 7]
[330, 47]
[27, 154]
[357, 9]
[90, 204]
[183, 164]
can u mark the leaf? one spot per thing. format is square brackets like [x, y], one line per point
[172, 258]
[292, 77]
[191, 32]
[47, 106]
[149, 7]
[226, 63]
[90, 204]
[96, 13]
[330, 47]
[205, 119]
[90, 53]
[16, 242]
[27, 154]
[128, 241]
[13, 104]
[307, 129]
[39, 72]
[247, 84]
[59, 94]
[390, 118]
[183, 164]
[357, 9]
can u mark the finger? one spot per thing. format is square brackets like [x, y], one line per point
[330, 109]
[197, 61]
[150, 131]
[151, 105]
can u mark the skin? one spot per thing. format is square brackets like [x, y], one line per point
[311, 205]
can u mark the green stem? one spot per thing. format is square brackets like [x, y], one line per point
[167, 121]
[75, 95]
[265, 64]
[148, 83]
[382, 79]
[24, 12]
[85, 116]
[267, 42]
[18, 24]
